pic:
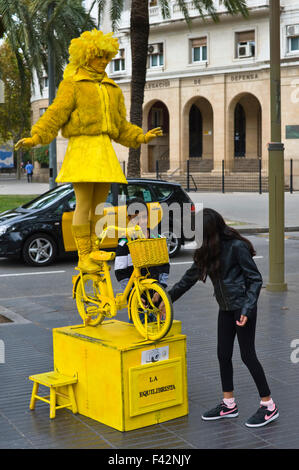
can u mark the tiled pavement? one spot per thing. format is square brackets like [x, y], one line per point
[28, 350]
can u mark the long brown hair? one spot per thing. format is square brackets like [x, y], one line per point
[207, 257]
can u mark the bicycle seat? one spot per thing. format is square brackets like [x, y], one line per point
[102, 255]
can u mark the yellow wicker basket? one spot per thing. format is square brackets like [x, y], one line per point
[148, 252]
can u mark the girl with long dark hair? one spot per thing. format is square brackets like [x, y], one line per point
[227, 259]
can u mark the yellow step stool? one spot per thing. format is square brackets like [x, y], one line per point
[54, 380]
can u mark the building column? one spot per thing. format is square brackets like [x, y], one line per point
[175, 116]
[220, 124]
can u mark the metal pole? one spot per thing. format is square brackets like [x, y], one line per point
[276, 162]
[188, 175]
[260, 175]
[223, 176]
[52, 92]
[291, 176]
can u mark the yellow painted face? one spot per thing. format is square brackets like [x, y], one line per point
[100, 63]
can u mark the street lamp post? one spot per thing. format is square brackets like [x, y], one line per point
[52, 92]
[276, 161]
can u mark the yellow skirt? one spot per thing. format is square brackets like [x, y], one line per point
[90, 159]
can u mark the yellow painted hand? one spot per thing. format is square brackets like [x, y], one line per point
[24, 143]
[150, 135]
[27, 142]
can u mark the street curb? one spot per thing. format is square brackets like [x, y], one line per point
[263, 229]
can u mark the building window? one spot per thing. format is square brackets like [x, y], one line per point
[45, 82]
[42, 111]
[157, 117]
[294, 44]
[293, 38]
[155, 55]
[199, 49]
[245, 44]
[118, 63]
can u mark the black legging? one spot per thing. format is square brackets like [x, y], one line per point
[227, 330]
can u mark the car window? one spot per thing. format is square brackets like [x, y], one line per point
[141, 191]
[162, 191]
[122, 194]
[109, 199]
[60, 209]
[45, 200]
[71, 202]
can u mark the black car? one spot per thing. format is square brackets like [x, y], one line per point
[39, 231]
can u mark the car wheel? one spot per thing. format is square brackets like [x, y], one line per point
[39, 250]
[173, 243]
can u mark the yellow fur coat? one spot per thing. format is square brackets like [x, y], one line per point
[89, 114]
[78, 110]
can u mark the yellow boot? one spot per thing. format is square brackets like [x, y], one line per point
[95, 245]
[95, 242]
[81, 234]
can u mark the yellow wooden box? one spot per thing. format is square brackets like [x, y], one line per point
[124, 381]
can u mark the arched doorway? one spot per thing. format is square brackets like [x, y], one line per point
[245, 133]
[240, 131]
[195, 132]
[158, 150]
[198, 134]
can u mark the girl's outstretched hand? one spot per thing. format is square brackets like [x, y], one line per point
[243, 320]
[162, 310]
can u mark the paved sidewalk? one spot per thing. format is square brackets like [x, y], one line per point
[249, 211]
[12, 186]
[28, 350]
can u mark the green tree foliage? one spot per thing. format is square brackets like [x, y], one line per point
[41, 155]
[26, 26]
[15, 112]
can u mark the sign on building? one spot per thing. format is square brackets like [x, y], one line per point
[6, 156]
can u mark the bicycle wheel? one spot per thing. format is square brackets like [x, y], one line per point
[146, 316]
[89, 310]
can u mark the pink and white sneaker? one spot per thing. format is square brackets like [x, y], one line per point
[221, 411]
[262, 417]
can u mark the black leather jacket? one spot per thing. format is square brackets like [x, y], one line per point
[239, 284]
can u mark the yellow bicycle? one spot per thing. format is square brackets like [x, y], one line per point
[142, 296]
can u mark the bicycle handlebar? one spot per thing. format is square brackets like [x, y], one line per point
[127, 231]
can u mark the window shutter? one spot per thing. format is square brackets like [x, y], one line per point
[199, 42]
[245, 36]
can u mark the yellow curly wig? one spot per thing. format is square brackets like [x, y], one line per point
[88, 46]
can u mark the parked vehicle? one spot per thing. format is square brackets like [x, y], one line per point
[40, 230]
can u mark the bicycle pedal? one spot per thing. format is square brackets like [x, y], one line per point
[91, 310]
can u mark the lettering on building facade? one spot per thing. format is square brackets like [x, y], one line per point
[159, 84]
[245, 76]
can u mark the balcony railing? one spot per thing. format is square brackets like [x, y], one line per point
[155, 13]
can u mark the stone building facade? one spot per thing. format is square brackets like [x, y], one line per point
[209, 89]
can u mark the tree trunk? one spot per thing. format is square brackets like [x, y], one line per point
[19, 159]
[139, 43]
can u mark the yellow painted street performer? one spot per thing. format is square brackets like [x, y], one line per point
[90, 111]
